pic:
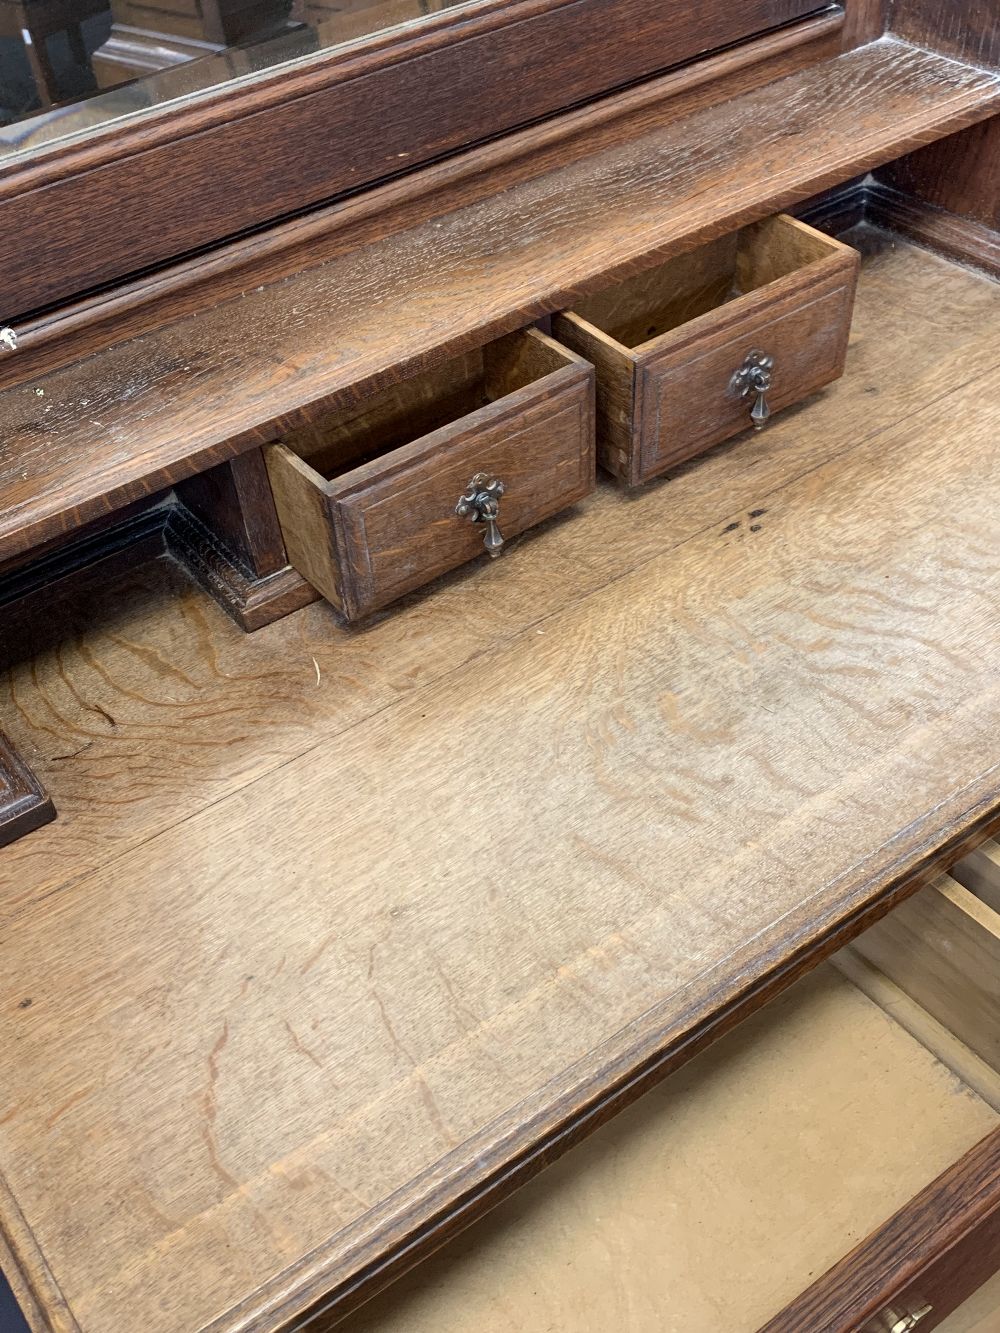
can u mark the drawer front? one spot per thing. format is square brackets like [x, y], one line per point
[398, 528]
[684, 394]
[920, 1266]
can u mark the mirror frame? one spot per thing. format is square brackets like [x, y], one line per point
[85, 213]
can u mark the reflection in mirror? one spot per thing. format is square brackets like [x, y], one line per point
[67, 66]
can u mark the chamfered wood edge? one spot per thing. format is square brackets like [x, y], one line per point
[924, 1233]
[70, 331]
[35, 1289]
[332, 1281]
[25, 805]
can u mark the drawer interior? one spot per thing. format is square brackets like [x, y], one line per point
[712, 1202]
[341, 439]
[941, 950]
[652, 303]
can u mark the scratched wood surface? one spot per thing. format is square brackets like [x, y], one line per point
[335, 922]
[84, 439]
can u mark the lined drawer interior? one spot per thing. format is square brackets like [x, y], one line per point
[717, 1198]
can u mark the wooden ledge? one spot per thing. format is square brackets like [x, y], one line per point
[92, 436]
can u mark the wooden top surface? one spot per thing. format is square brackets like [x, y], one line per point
[337, 925]
[139, 416]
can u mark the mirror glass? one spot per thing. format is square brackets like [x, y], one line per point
[71, 66]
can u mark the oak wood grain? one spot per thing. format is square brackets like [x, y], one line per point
[91, 323]
[865, 21]
[241, 373]
[947, 197]
[961, 176]
[961, 238]
[436, 916]
[180, 672]
[968, 29]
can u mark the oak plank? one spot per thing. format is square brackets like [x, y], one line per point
[97, 434]
[433, 953]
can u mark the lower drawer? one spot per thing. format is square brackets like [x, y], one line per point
[833, 1130]
[377, 500]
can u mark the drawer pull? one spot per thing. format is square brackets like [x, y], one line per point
[8, 339]
[481, 504]
[754, 377]
[897, 1321]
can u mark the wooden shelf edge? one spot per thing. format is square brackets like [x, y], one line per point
[480, 292]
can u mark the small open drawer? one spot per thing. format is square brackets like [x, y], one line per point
[379, 498]
[712, 342]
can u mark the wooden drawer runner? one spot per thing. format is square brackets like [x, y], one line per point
[669, 345]
[368, 511]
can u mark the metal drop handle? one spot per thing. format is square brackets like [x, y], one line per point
[898, 1321]
[754, 377]
[481, 504]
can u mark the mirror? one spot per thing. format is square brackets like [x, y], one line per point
[70, 66]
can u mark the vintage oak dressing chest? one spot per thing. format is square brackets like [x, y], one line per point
[351, 877]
